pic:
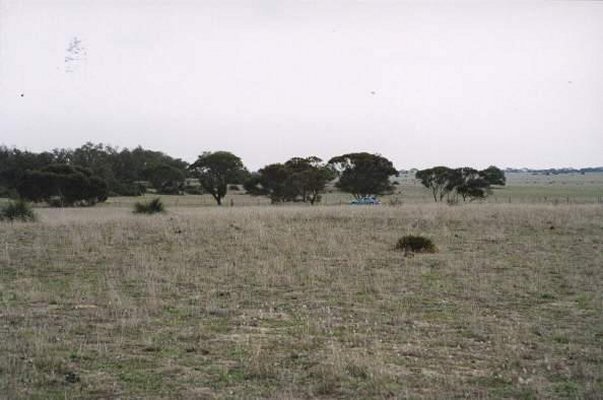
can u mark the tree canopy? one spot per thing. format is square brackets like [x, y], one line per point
[494, 176]
[298, 179]
[363, 174]
[62, 185]
[122, 170]
[308, 177]
[216, 170]
[437, 179]
[466, 182]
[165, 178]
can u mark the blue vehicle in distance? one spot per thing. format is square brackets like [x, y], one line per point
[366, 201]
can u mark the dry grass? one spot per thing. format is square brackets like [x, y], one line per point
[299, 302]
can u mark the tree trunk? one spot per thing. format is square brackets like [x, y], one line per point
[217, 197]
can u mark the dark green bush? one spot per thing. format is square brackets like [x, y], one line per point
[415, 244]
[18, 210]
[152, 207]
[63, 186]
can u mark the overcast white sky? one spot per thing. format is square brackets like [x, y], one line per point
[510, 83]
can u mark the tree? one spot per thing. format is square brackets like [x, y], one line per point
[363, 174]
[469, 184]
[97, 158]
[444, 182]
[299, 179]
[494, 175]
[165, 178]
[63, 185]
[13, 165]
[216, 170]
[122, 170]
[271, 181]
[438, 179]
[308, 177]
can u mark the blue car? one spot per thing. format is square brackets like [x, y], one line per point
[367, 200]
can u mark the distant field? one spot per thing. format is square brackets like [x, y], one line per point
[520, 188]
[303, 302]
[526, 188]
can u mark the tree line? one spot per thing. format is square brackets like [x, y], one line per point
[91, 173]
[123, 171]
[466, 183]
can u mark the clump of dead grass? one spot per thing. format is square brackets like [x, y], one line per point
[416, 244]
[18, 210]
[154, 206]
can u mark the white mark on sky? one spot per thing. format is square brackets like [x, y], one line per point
[76, 55]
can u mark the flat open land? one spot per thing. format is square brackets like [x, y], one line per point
[303, 302]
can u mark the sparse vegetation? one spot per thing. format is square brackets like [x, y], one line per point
[151, 207]
[300, 302]
[18, 210]
[416, 244]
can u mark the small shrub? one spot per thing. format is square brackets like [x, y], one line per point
[415, 244]
[18, 210]
[233, 187]
[152, 207]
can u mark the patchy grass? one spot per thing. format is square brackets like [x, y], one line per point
[300, 302]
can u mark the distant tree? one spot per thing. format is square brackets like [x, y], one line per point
[216, 170]
[308, 177]
[252, 185]
[271, 181]
[299, 179]
[123, 170]
[363, 174]
[465, 182]
[494, 176]
[62, 185]
[469, 184]
[97, 158]
[14, 163]
[440, 180]
[165, 178]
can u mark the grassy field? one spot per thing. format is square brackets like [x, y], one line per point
[303, 302]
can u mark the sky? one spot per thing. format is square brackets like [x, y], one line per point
[424, 83]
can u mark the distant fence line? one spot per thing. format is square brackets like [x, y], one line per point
[238, 201]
